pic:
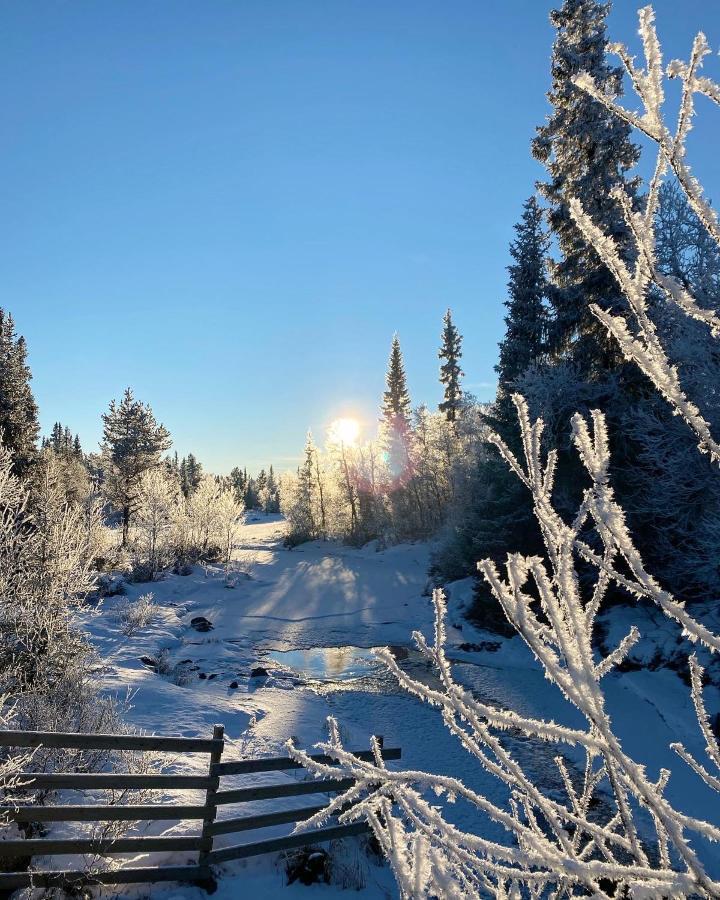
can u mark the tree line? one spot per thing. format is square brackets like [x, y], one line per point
[400, 485]
[434, 473]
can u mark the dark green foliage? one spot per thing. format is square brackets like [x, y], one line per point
[396, 412]
[526, 321]
[62, 442]
[191, 473]
[133, 442]
[450, 371]
[587, 151]
[18, 411]
[396, 399]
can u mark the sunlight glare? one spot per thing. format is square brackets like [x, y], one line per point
[345, 431]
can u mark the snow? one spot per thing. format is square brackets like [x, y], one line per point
[327, 595]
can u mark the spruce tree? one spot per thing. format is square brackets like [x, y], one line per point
[305, 527]
[238, 479]
[526, 320]
[396, 399]
[273, 492]
[133, 442]
[498, 514]
[450, 371]
[193, 474]
[396, 412]
[587, 151]
[18, 412]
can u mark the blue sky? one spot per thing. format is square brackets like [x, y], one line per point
[231, 205]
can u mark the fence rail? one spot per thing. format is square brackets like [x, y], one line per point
[205, 813]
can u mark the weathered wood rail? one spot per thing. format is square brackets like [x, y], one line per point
[205, 813]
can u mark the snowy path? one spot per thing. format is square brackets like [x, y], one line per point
[325, 595]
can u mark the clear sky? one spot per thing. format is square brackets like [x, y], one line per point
[231, 205]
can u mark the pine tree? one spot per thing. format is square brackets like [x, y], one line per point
[587, 151]
[526, 319]
[18, 411]
[133, 442]
[450, 371]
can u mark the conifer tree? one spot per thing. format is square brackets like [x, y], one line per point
[273, 499]
[191, 474]
[450, 371]
[18, 411]
[587, 151]
[396, 412]
[306, 527]
[133, 442]
[526, 320]
[238, 479]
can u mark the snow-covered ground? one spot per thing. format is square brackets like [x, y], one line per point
[323, 595]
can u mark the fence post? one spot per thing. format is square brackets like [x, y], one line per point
[210, 807]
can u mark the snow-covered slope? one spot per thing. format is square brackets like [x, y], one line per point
[325, 595]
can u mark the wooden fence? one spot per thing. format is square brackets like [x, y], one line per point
[206, 813]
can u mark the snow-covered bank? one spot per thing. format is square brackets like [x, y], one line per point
[326, 595]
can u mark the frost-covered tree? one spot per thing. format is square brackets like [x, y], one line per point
[46, 571]
[685, 250]
[587, 152]
[18, 412]
[229, 518]
[450, 354]
[203, 515]
[133, 443]
[609, 829]
[154, 523]
[299, 498]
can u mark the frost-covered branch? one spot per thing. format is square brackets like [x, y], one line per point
[589, 833]
[636, 334]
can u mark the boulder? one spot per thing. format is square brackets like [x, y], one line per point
[310, 865]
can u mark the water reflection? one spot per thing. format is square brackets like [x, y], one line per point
[336, 663]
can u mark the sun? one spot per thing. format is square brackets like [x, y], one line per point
[345, 431]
